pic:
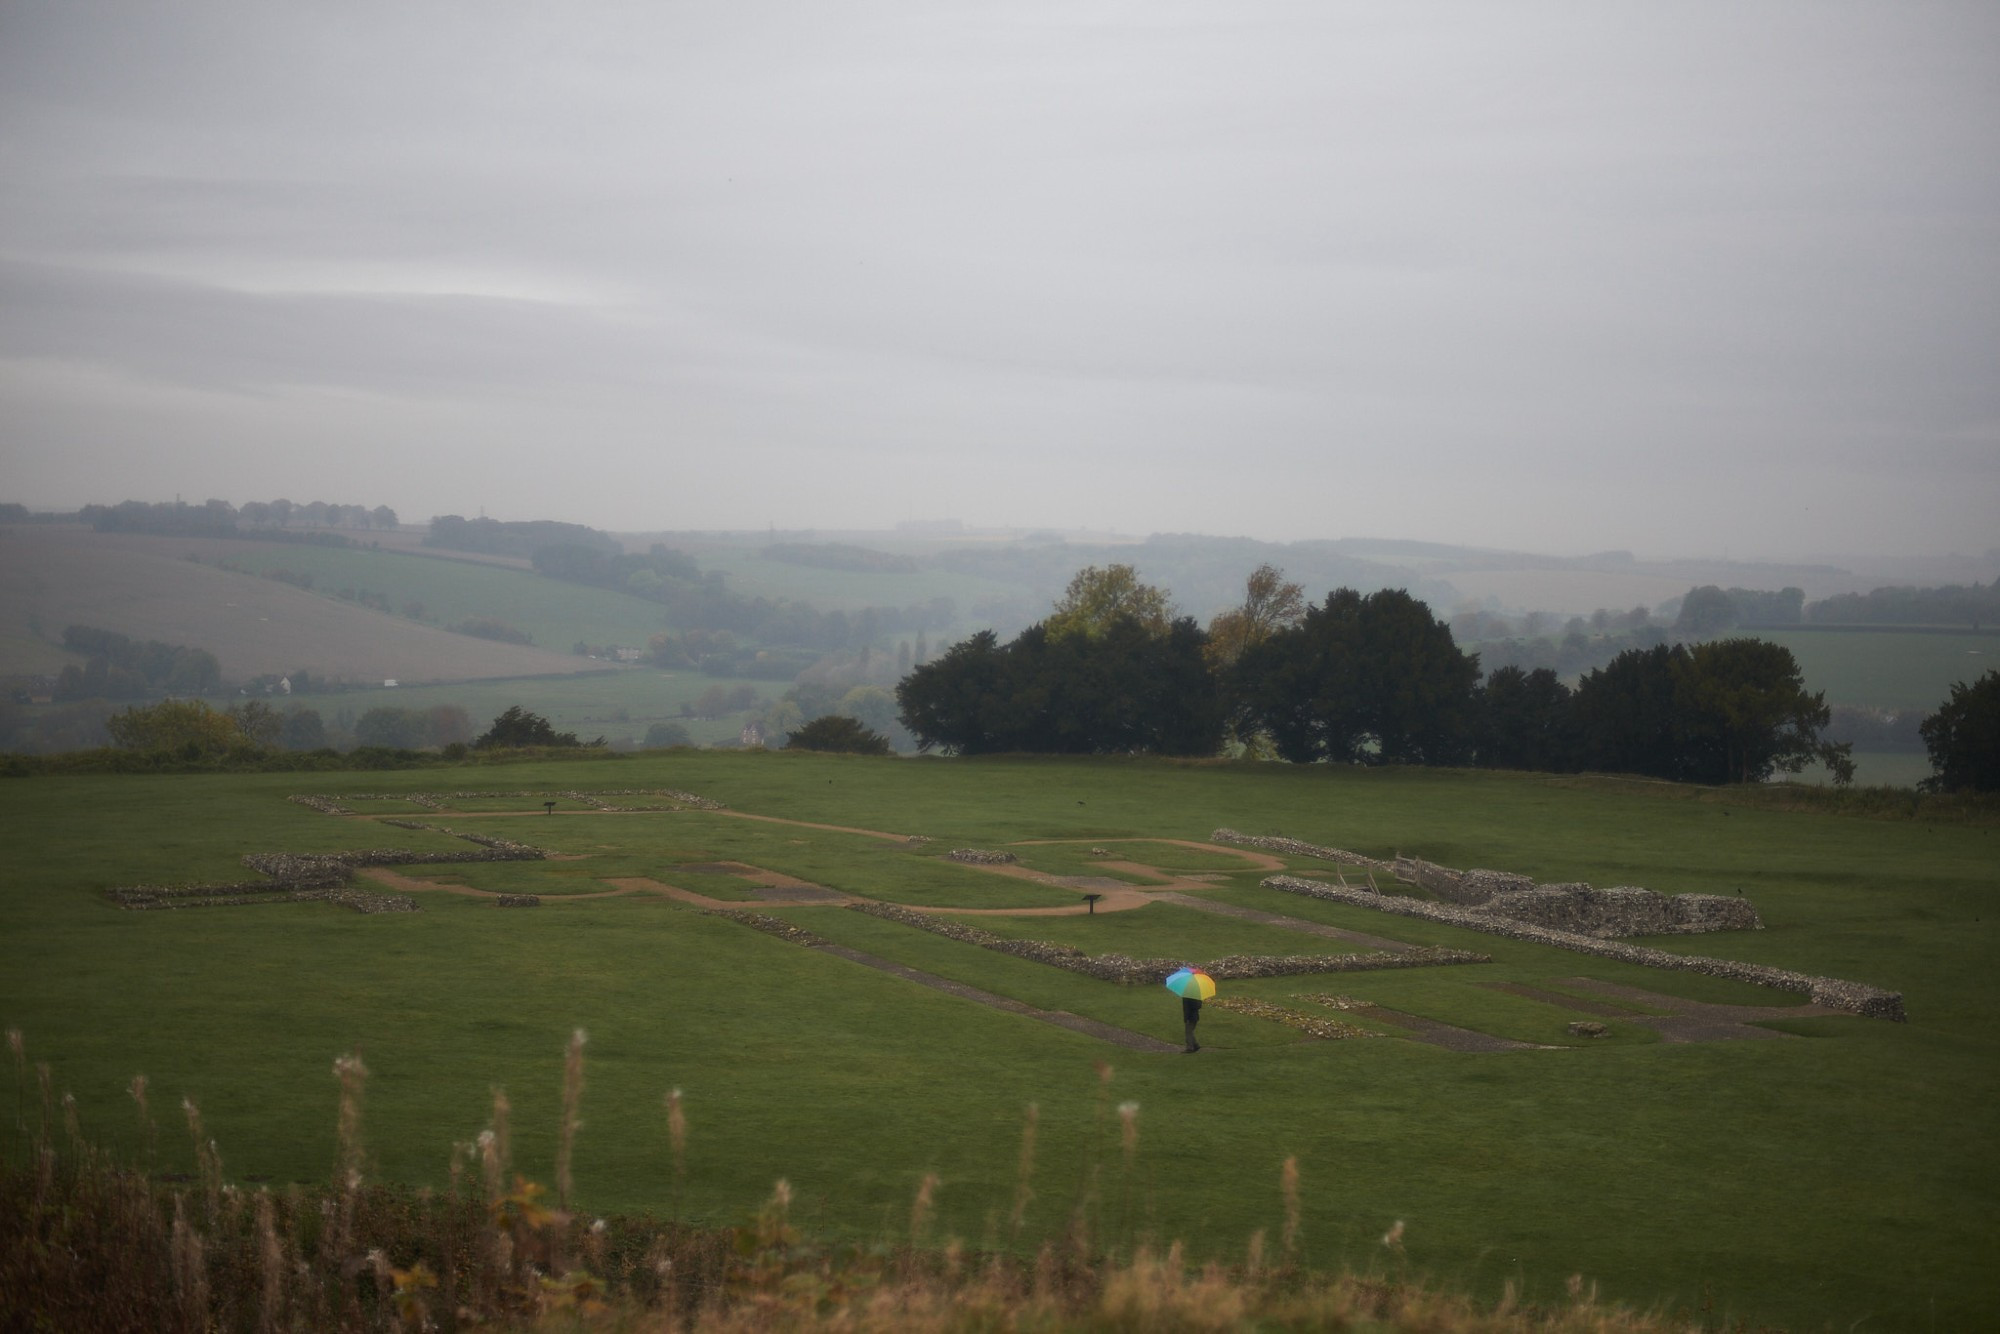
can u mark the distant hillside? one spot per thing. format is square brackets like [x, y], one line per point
[146, 587]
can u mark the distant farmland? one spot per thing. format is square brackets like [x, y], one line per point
[1887, 668]
[149, 588]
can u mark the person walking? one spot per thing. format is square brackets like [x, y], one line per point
[1193, 987]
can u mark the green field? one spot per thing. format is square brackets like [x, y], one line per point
[1843, 1176]
[450, 591]
[1887, 669]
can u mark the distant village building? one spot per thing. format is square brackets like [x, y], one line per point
[389, 684]
[752, 734]
[629, 654]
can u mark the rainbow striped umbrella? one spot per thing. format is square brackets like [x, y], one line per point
[1191, 984]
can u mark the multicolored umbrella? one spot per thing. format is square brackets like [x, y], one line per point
[1191, 984]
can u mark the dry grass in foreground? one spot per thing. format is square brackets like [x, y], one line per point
[90, 1245]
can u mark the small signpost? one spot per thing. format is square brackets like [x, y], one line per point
[1090, 901]
[549, 807]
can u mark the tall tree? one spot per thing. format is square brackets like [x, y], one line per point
[186, 726]
[1524, 721]
[1095, 597]
[1122, 689]
[1748, 714]
[1963, 738]
[1625, 716]
[1269, 604]
[1362, 679]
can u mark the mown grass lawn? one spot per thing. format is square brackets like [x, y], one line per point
[1845, 1175]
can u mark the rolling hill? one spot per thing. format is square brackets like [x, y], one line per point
[164, 588]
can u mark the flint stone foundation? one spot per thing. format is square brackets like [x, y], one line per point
[1832, 992]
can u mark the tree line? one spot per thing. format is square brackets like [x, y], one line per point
[1358, 678]
[120, 667]
[219, 518]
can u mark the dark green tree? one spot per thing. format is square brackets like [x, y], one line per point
[1625, 718]
[1123, 688]
[836, 732]
[517, 727]
[1731, 711]
[1374, 679]
[952, 702]
[1523, 721]
[1746, 714]
[1963, 738]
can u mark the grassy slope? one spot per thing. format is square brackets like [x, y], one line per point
[452, 590]
[1845, 1175]
[148, 588]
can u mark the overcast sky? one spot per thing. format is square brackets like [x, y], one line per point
[1683, 278]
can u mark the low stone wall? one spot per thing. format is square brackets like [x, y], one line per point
[1126, 970]
[1293, 847]
[775, 926]
[296, 877]
[1622, 911]
[437, 801]
[981, 857]
[141, 898]
[1835, 993]
[517, 901]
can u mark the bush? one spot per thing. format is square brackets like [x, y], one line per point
[836, 733]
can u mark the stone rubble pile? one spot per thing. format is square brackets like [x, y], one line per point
[1834, 993]
[981, 857]
[1312, 1025]
[323, 804]
[1623, 910]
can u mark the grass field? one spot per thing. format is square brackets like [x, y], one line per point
[452, 591]
[1844, 1176]
[1887, 669]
